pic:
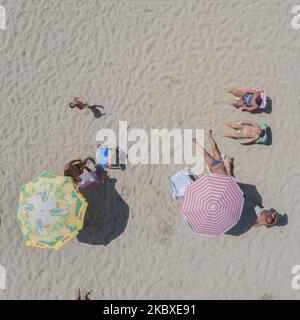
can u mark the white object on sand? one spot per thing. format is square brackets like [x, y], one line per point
[263, 96]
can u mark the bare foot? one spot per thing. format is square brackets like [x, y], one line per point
[198, 144]
[209, 133]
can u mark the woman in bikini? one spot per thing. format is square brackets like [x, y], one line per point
[248, 99]
[215, 162]
[265, 216]
[75, 168]
[249, 131]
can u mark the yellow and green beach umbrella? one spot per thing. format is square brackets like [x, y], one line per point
[50, 211]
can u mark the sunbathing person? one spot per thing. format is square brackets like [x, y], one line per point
[249, 131]
[248, 99]
[215, 161]
[75, 168]
[77, 103]
[265, 216]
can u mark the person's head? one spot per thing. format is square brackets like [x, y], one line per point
[72, 171]
[72, 105]
[261, 132]
[68, 173]
[258, 100]
[271, 218]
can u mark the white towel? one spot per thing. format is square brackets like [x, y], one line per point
[263, 96]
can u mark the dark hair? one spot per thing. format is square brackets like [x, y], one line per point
[262, 133]
[271, 219]
[68, 173]
[258, 100]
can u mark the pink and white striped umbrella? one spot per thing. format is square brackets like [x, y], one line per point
[213, 204]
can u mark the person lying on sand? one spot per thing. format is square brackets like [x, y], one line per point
[76, 167]
[247, 99]
[215, 162]
[265, 216]
[77, 103]
[251, 132]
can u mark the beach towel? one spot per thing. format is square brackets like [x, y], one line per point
[265, 138]
[263, 96]
[179, 181]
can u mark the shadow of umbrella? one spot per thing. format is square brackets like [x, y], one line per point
[248, 216]
[107, 214]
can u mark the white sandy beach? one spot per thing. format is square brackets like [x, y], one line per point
[156, 64]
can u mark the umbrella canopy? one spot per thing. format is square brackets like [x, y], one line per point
[213, 204]
[50, 211]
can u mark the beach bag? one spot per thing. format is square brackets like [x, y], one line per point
[90, 178]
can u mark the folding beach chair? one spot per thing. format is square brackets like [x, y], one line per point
[108, 158]
[179, 181]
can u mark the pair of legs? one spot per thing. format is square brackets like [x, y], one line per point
[221, 168]
[235, 135]
[238, 103]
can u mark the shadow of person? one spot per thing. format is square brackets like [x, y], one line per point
[248, 216]
[282, 220]
[270, 137]
[106, 216]
[97, 113]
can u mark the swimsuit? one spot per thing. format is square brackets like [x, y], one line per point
[260, 140]
[215, 163]
[247, 99]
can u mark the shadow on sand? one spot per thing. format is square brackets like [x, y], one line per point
[97, 113]
[107, 214]
[270, 137]
[248, 217]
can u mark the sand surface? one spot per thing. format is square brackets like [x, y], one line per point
[156, 64]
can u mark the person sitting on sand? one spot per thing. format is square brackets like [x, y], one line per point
[249, 131]
[248, 99]
[265, 216]
[77, 103]
[215, 161]
[76, 167]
